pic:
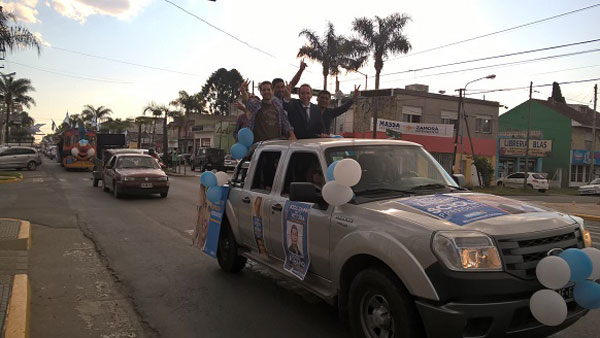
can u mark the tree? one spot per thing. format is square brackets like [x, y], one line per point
[89, 113]
[221, 89]
[484, 167]
[382, 36]
[191, 104]
[15, 37]
[159, 110]
[116, 126]
[332, 51]
[22, 126]
[141, 120]
[156, 111]
[14, 92]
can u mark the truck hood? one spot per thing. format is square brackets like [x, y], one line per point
[490, 214]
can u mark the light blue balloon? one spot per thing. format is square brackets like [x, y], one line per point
[245, 137]
[587, 294]
[579, 263]
[330, 171]
[208, 179]
[238, 151]
[214, 194]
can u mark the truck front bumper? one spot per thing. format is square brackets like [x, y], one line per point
[510, 318]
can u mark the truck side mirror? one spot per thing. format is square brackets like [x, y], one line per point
[459, 179]
[306, 192]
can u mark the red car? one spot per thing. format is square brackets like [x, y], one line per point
[134, 174]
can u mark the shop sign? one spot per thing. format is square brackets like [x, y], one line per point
[537, 134]
[584, 157]
[440, 130]
[518, 147]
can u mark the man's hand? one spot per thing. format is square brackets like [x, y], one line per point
[303, 65]
[287, 93]
[292, 136]
[355, 95]
[244, 88]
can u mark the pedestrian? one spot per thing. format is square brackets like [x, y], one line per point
[267, 118]
[304, 116]
[243, 120]
[174, 159]
[328, 114]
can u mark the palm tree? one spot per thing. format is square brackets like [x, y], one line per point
[14, 92]
[116, 126]
[332, 51]
[156, 111]
[90, 113]
[191, 104]
[15, 37]
[382, 36]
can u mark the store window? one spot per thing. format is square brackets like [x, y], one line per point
[483, 124]
[411, 114]
[580, 173]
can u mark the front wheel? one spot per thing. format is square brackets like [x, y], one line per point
[227, 254]
[163, 194]
[380, 307]
[500, 184]
[116, 191]
[542, 190]
[31, 165]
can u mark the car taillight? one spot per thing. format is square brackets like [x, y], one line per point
[534, 180]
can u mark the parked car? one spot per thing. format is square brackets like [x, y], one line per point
[534, 181]
[129, 173]
[208, 159]
[19, 157]
[412, 254]
[230, 162]
[592, 188]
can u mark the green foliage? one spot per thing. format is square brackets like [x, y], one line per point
[15, 37]
[221, 89]
[484, 167]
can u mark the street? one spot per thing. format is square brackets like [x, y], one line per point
[128, 269]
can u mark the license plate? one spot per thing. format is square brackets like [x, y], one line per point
[566, 293]
[146, 185]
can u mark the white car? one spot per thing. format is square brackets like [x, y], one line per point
[592, 188]
[534, 181]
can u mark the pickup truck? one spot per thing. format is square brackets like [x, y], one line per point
[413, 254]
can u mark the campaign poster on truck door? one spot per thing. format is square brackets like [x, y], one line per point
[257, 224]
[295, 238]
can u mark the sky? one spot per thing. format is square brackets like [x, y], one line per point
[93, 50]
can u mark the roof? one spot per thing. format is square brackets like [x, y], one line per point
[584, 117]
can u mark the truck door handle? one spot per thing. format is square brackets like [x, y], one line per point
[277, 207]
[246, 199]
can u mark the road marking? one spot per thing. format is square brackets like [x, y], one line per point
[37, 180]
[189, 232]
[62, 179]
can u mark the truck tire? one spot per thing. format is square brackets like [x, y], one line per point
[227, 255]
[379, 306]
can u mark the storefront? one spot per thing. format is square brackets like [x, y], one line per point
[580, 171]
[512, 148]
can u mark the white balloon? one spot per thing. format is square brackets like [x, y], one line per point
[553, 272]
[336, 194]
[548, 307]
[347, 172]
[222, 178]
[594, 255]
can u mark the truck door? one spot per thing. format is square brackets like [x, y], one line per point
[301, 166]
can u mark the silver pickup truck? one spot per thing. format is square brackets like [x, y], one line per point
[413, 254]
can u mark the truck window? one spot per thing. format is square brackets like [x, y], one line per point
[303, 167]
[264, 174]
[239, 174]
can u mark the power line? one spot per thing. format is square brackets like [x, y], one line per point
[485, 58]
[124, 62]
[536, 86]
[500, 31]
[83, 77]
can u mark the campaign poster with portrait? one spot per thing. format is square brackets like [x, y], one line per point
[257, 224]
[208, 222]
[295, 238]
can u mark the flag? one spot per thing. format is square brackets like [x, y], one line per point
[36, 128]
[94, 122]
[125, 133]
[53, 125]
[66, 120]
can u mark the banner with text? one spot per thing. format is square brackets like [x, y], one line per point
[518, 147]
[440, 130]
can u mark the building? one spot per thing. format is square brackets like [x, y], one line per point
[148, 133]
[416, 115]
[561, 141]
[203, 131]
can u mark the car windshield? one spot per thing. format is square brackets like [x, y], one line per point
[596, 181]
[538, 176]
[394, 169]
[137, 162]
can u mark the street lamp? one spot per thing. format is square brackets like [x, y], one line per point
[4, 76]
[366, 78]
[461, 112]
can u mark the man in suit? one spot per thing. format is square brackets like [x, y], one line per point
[305, 117]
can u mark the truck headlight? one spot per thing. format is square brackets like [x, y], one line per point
[466, 251]
[585, 233]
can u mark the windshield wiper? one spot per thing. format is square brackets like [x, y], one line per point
[432, 186]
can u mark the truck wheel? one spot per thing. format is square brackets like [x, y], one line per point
[31, 165]
[380, 307]
[227, 256]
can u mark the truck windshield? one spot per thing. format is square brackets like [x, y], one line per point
[394, 169]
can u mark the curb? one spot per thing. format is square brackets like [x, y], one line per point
[17, 314]
[11, 180]
[22, 240]
[592, 218]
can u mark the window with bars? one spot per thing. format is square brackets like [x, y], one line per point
[411, 114]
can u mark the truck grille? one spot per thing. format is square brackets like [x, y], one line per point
[521, 254]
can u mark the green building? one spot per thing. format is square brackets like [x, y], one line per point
[561, 141]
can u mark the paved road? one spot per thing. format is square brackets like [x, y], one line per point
[171, 288]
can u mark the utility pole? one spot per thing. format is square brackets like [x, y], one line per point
[471, 143]
[528, 131]
[592, 171]
[458, 119]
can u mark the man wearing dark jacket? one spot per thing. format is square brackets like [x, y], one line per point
[304, 116]
[328, 114]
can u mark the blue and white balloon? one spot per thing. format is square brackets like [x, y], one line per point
[579, 263]
[214, 193]
[587, 294]
[347, 172]
[245, 137]
[553, 272]
[330, 169]
[594, 255]
[548, 307]
[222, 178]
[208, 179]
[238, 151]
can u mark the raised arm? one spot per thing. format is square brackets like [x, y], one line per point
[244, 91]
[335, 112]
[296, 77]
